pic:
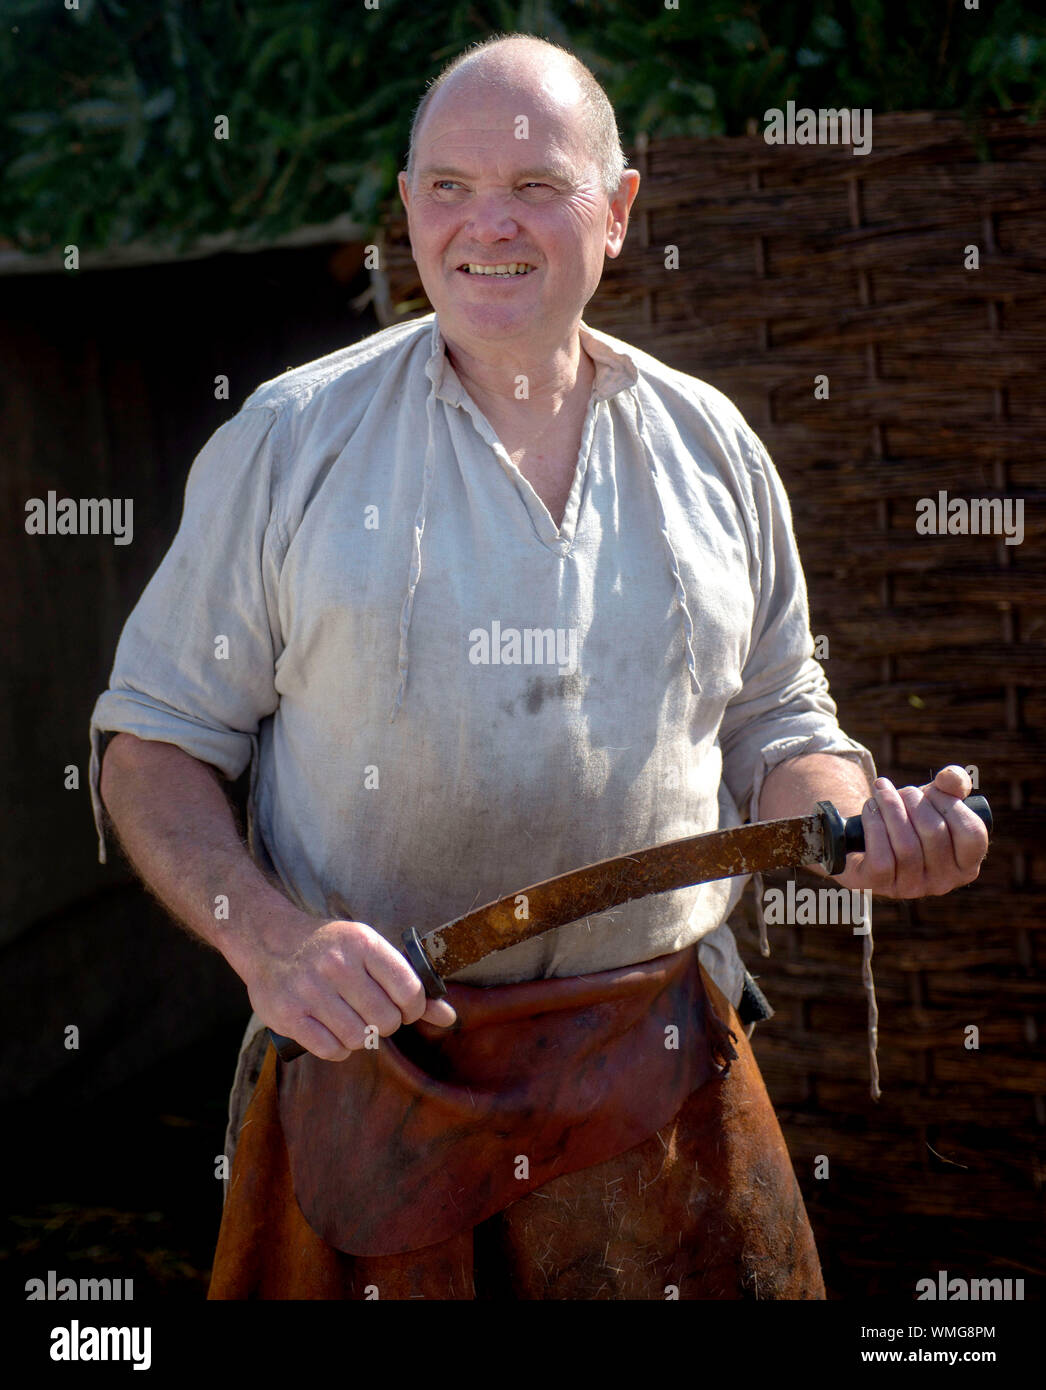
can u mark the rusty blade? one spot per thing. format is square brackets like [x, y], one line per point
[772, 844]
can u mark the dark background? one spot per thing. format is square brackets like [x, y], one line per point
[107, 390]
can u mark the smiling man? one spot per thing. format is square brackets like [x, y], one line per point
[583, 1117]
[515, 192]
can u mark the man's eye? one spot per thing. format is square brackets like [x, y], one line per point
[452, 186]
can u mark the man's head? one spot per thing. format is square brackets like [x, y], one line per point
[515, 159]
[500, 57]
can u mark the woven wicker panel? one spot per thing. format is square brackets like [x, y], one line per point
[797, 261]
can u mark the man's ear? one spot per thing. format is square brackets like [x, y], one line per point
[404, 188]
[618, 210]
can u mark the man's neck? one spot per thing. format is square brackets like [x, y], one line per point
[531, 386]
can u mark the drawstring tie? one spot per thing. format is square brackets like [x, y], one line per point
[673, 563]
[867, 979]
[414, 573]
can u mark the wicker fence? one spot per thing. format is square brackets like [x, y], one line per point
[797, 263]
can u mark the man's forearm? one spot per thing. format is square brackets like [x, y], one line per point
[324, 983]
[795, 787]
[176, 826]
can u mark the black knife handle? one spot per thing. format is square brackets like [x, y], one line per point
[288, 1049]
[843, 837]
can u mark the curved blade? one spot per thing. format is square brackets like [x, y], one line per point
[746, 849]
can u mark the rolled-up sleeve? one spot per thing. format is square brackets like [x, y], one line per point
[783, 709]
[195, 664]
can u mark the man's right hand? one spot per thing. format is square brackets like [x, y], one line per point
[320, 983]
[341, 978]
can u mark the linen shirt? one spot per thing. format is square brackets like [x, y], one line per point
[442, 696]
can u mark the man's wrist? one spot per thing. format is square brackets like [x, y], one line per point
[261, 921]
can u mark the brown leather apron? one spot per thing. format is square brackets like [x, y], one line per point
[707, 1207]
[435, 1130]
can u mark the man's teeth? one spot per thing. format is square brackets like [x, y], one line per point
[512, 268]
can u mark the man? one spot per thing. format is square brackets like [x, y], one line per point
[367, 552]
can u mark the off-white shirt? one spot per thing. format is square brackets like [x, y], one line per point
[442, 696]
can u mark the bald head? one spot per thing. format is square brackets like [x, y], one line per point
[522, 62]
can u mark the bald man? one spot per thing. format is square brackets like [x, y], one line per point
[485, 597]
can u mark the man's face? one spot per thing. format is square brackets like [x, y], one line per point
[483, 196]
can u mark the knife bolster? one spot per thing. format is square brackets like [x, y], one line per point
[833, 860]
[415, 953]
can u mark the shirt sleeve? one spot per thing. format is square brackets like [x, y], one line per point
[783, 709]
[195, 664]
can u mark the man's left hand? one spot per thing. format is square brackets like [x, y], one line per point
[920, 842]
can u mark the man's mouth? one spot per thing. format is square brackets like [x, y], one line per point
[504, 269]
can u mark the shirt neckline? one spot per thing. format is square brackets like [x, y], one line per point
[614, 371]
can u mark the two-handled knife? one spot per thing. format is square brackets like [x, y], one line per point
[824, 838]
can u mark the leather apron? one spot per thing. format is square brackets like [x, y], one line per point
[435, 1130]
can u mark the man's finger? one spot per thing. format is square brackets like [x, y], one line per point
[346, 1023]
[953, 780]
[969, 834]
[390, 969]
[928, 814]
[318, 1039]
[394, 973]
[878, 868]
[440, 1012]
[905, 844]
[373, 1004]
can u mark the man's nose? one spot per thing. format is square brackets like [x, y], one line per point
[491, 218]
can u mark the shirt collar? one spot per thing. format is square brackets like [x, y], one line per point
[615, 371]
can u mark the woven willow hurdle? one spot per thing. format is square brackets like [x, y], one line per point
[797, 262]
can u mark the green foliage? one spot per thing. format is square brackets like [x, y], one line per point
[108, 134]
